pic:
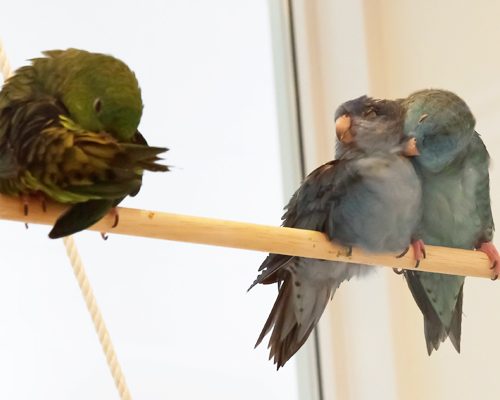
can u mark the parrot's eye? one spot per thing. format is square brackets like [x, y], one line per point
[97, 105]
[422, 118]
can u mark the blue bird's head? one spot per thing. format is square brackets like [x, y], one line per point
[370, 125]
[442, 125]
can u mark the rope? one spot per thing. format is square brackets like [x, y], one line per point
[83, 282]
[100, 327]
[4, 63]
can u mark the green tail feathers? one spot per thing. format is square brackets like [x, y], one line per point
[143, 156]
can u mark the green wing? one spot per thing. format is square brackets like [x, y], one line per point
[83, 215]
[72, 166]
[41, 150]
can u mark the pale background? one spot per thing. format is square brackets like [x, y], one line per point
[179, 315]
[372, 335]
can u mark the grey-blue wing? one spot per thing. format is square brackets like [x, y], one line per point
[310, 205]
[479, 157]
[309, 208]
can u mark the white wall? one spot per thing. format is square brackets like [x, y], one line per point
[179, 315]
[373, 342]
[452, 45]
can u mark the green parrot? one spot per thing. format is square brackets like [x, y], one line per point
[453, 168]
[68, 132]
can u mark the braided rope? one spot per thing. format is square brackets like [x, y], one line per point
[95, 314]
[4, 63]
[83, 282]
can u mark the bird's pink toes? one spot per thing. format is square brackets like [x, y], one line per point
[418, 251]
[491, 251]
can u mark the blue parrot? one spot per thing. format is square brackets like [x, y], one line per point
[453, 168]
[370, 196]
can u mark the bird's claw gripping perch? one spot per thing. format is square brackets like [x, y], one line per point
[26, 198]
[399, 271]
[491, 251]
[349, 251]
[418, 251]
[403, 253]
[114, 213]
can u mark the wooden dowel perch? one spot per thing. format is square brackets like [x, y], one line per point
[299, 242]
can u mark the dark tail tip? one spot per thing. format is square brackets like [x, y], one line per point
[58, 232]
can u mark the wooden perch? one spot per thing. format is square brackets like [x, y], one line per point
[299, 242]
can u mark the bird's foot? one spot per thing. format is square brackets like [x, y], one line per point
[114, 213]
[403, 253]
[399, 271]
[26, 207]
[348, 252]
[418, 251]
[492, 253]
[27, 198]
[43, 201]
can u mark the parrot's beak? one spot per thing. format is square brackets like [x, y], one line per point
[343, 128]
[411, 148]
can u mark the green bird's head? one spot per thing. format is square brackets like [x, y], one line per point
[100, 92]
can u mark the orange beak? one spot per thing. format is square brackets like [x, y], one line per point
[343, 128]
[411, 148]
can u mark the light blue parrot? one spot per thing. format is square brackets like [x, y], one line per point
[453, 167]
[370, 196]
